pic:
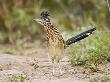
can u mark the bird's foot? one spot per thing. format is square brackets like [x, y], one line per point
[58, 72]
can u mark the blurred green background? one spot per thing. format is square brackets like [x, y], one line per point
[71, 16]
[16, 17]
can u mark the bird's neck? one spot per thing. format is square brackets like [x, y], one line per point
[51, 28]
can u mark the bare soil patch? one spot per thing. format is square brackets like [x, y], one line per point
[35, 67]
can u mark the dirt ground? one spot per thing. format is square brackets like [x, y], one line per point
[35, 67]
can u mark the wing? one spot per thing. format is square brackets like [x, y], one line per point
[80, 36]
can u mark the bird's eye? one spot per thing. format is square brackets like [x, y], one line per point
[46, 19]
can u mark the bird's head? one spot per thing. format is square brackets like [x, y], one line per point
[44, 19]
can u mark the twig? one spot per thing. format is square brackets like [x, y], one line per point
[108, 5]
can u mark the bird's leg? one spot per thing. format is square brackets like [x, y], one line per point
[53, 67]
[60, 68]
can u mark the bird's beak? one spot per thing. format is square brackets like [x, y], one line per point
[35, 20]
[38, 21]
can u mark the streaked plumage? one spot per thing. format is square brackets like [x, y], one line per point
[56, 43]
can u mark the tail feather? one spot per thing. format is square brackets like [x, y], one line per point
[80, 36]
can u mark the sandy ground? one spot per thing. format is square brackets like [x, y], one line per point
[36, 68]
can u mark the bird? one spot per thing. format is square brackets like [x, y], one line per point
[55, 41]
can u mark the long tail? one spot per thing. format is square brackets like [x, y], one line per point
[80, 36]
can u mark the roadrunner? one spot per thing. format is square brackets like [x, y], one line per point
[55, 41]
